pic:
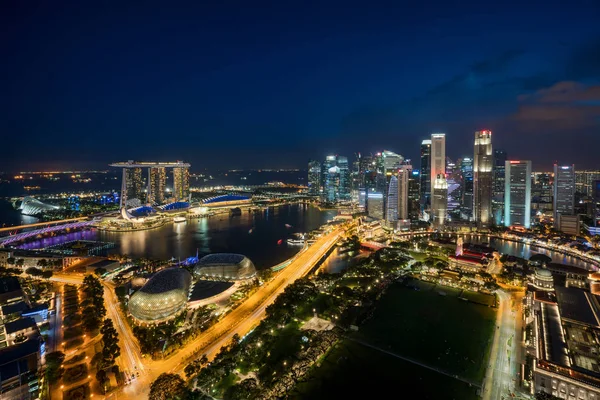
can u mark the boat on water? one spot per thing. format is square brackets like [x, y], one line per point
[288, 226]
[295, 242]
[179, 219]
[250, 231]
[280, 241]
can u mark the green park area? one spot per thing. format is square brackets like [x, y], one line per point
[436, 329]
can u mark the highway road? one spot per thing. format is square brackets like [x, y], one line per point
[73, 279]
[501, 375]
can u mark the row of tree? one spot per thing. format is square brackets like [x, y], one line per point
[94, 311]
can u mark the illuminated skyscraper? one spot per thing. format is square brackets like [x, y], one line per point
[564, 192]
[482, 178]
[314, 177]
[135, 187]
[391, 215]
[439, 200]
[345, 178]
[404, 200]
[517, 189]
[375, 205]
[498, 184]
[158, 184]
[336, 177]
[466, 169]
[414, 194]
[438, 156]
[181, 184]
[425, 175]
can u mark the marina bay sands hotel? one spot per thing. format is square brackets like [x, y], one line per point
[132, 185]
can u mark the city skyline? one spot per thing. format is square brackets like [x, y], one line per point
[330, 80]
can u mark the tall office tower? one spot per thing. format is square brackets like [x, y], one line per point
[414, 194]
[158, 184]
[517, 189]
[135, 187]
[438, 156]
[425, 175]
[439, 200]
[314, 177]
[584, 182]
[541, 189]
[498, 184]
[362, 198]
[466, 168]
[345, 180]
[404, 199]
[482, 178]
[391, 161]
[181, 184]
[564, 192]
[391, 212]
[330, 187]
[375, 205]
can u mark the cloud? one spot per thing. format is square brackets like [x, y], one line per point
[566, 106]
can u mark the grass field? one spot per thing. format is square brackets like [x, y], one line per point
[479, 298]
[352, 371]
[441, 331]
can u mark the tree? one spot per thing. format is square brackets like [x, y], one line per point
[20, 262]
[47, 274]
[544, 396]
[102, 379]
[11, 261]
[53, 365]
[110, 340]
[42, 263]
[33, 271]
[100, 271]
[168, 387]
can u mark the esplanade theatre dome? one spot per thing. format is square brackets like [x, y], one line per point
[162, 297]
[225, 266]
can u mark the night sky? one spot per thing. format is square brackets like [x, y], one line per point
[225, 84]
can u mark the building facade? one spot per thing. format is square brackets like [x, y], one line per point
[314, 177]
[482, 178]
[498, 186]
[466, 168]
[439, 200]
[181, 184]
[135, 187]
[158, 185]
[391, 212]
[563, 192]
[517, 201]
[438, 156]
[425, 174]
[375, 206]
[404, 192]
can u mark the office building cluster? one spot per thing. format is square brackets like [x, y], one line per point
[483, 189]
[22, 347]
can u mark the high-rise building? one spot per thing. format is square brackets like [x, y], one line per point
[314, 177]
[375, 205]
[424, 174]
[135, 187]
[466, 169]
[414, 194]
[391, 213]
[439, 200]
[438, 156]
[158, 185]
[336, 179]
[404, 199]
[498, 184]
[564, 192]
[482, 178]
[345, 178]
[584, 182]
[517, 189]
[181, 184]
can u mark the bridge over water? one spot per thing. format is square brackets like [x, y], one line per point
[48, 228]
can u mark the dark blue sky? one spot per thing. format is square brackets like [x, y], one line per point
[271, 84]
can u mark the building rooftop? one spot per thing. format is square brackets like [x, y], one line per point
[19, 306]
[221, 258]
[19, 325]
[576, 305]
[167, 280]
[206, 289]
[567, 269]
[468, 258]
[13, 353]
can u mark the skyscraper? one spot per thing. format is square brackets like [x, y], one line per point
[181, 184]
[345, 178]
[335, 179]
[482, 178]
[314, 177]
[466, 169]
[135, 187]
[439, 200]
[425, 175]
[438, 156]
[404, 200]
[414, 194]
[517, 189]
[498, 184]
[158, 184]
[375, 205]
[391, 215]
[564, 192]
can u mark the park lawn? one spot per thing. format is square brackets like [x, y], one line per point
[449, 291]
[440, 331]
[351, 371]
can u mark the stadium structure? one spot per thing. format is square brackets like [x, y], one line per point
[225, 266]
[163, 297]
